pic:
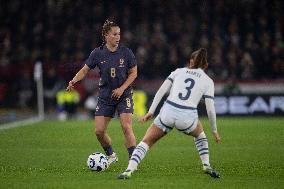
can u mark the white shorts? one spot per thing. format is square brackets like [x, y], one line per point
[184, 120]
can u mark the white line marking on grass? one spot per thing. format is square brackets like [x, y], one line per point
[21, 123]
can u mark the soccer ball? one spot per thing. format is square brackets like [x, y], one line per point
[97, 162]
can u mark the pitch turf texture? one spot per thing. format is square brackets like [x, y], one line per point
[53, 154]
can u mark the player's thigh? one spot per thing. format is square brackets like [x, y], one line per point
[199, 129]
[153, 134]
[125, 120]
[101, 123]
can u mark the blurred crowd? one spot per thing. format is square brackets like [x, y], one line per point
[245, 39]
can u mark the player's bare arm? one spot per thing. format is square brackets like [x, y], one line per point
[132, 74]
[78, 77]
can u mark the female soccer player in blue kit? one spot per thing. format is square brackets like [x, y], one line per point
[118, 70]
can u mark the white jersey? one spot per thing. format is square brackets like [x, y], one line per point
[186, 87]
[189, 86]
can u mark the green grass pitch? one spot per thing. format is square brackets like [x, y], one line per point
[53, 154]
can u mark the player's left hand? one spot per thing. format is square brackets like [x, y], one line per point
[217, 137]
[145, 117]
[116, 93]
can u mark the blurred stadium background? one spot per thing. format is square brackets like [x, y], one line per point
[44, 43]
[245, 42]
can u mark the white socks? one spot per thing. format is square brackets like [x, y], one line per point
[201, 144]
[142, 148]
[137, 156]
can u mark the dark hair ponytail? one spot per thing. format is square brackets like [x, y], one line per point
[199, 58]
[106, 28]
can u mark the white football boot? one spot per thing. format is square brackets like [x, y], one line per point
[112, 158]
[210, 171]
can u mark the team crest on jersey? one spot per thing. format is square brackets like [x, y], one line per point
[121, 62]
[97, 108]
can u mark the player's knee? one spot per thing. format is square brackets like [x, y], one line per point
[100, 132]
[127, 129]
[197, 132]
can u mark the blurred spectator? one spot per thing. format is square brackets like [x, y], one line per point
[67, 103]
[244, 38]
[3, 93]
[25, 89]
[247, 66]
[231, 87]
[91, 103]
[52, 84]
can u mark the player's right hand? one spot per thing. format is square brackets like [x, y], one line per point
[217, 137]
[70, 85]
[145, 117]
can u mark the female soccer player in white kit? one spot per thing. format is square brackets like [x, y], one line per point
[186, 86]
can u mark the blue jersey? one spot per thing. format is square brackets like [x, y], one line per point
[114, 67]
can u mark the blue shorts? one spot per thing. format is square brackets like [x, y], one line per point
[124, 105]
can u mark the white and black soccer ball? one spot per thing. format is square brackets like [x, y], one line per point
[97, 162]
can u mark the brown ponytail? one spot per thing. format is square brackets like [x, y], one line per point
[106, 28]
[199, 58]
